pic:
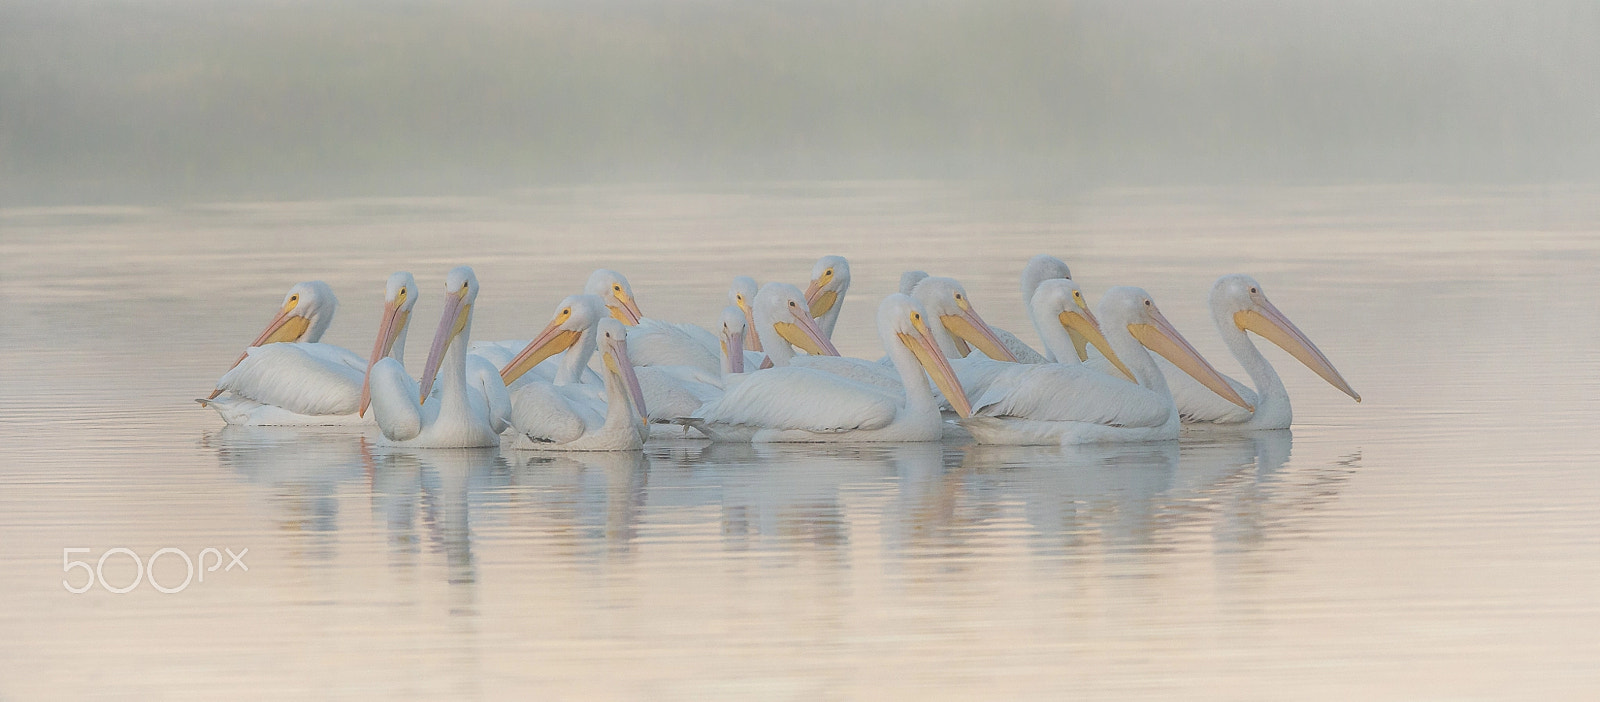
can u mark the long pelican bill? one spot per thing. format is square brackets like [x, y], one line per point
[1273, 326]
[938, 368]
[804, 333]
[626, 310]
[820, 300]
[551, 341]
[1082, 324]
[754, 342]
[971, 328]
[394, 321]
[454, 319]
[617, 361]
[283, 327]
[733, 348]
[1162, 338]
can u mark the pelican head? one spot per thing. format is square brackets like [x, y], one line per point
[1039, 269]
[830, 278]
[613, 343]
[575, 315]
[610, 286]
[1134, 309]
[1241, 300]
[1060, 301]
[909, 280]
[399, 296]
[743, 296]
[902, 321]
[306, 312]
[947, 302]
[460, 291]
[782, 308]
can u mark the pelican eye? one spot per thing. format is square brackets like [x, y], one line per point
[914, 315]
[791, 303]
[1147, 303]
[617, 288]
[294, 298]
[958, 296]
[566, 311]
[1252, 291]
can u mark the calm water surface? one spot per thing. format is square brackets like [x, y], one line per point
[1439, 541]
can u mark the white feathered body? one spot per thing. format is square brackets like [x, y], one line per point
[292, 383]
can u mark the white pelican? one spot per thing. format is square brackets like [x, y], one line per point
[1069, 403]
[743, 296]
[1238, 305]
[288, 377]
[1040, 268]
[830, 279]
[571, 333]
[792, 404]
[556, 417]
[955, 324]
[611, 287]
[471, 405]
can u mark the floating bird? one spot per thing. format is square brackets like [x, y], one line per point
[1069, 403]
[797, 404]
[830, 279]
[560, 418]
[1239, 305]
[1040, 268]
[471, 406]
[288, 377]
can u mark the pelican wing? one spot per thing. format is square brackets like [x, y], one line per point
[335, 355]
[657, 343]
[1023, 352]
[499, 353]
[394, 401]
[674, 392]
[1197, 403]
[300, 378]
[1070, 393]
[545, 412]
[802, 398]
[860, 370]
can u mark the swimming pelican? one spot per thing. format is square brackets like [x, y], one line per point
[793, 404]
[784, 322]
[1239, 305]
[1069, 403]
[830, 279]
[554, 417]
[288, 377]
[471, 406]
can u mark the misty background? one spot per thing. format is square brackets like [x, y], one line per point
[198, 100]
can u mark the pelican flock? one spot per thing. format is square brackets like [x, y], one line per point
[600, 376]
